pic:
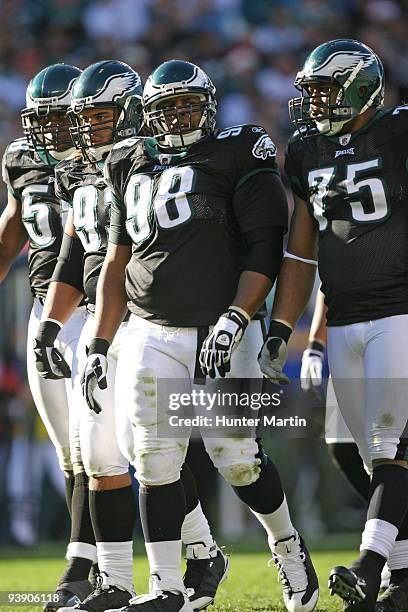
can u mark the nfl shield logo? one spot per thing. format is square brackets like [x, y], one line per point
[344, 139]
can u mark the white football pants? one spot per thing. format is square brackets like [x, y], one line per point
[152, 353]
[369, 367]
[99, 437]
[54, 398]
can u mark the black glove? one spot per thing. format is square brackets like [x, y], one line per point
[95, 371]
[49, 361]
[274, 353]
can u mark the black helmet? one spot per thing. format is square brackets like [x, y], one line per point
[350, 69]
[107, 84]
[48, 98]
[172, 79]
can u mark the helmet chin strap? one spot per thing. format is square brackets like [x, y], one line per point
[99, 152]
[330, 128]
[175, 141]
[60, 155]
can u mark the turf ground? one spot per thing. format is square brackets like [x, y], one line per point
[251, 585]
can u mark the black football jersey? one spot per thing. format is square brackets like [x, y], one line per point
[82, 186]
[32, 184]
[356, 189]
[185, 216]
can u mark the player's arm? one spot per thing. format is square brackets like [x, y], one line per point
[261, 209]
[294, 287]
[111, 299]
[12, 235]
[66, 288]
[63, 296]
[313, 355]
[111, 305]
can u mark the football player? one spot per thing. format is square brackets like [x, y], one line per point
[34, 213]
[341, 446]
[347, 167]
[105, 109]
[195, 242]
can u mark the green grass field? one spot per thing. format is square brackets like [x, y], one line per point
[251, 585]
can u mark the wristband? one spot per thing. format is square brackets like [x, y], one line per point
[47, 331]
[316, 345]
[98, 345]
[280, 330]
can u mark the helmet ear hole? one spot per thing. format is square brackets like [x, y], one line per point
[362, 91]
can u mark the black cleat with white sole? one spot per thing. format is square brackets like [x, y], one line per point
[103, 597]
[207, 568]
[158, 601]
[354, 589]
[68, 594]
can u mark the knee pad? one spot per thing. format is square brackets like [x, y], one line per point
[241, 474]
[238, 460]
[159, 467]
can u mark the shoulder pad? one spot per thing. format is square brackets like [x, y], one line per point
[15, 150]
[398, 118]
[123, 149]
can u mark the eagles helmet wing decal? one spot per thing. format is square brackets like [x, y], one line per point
[121, 82]
[339, 63]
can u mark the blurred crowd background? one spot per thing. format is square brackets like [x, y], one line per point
[252, 50]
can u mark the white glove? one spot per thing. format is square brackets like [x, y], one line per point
[215, 354]
[95, 372]
[312, 366]
[274, 352]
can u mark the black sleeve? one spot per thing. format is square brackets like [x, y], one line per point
[70, 267]
[117, 228]
[294, 176]
[265, 250]
[261, 202]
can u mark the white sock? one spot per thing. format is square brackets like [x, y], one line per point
[165, 563]
[379, 536]
[116, 560]
[195, 528]
[398, 558]
[81, 549]
[277, 525]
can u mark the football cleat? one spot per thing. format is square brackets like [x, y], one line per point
[157, 601]
[385, 578]
[394, 599]
[207, 567]
[354, 589]
[296, 573]
[69, 594]
[104, 596]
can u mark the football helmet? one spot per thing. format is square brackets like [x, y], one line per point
[340, 80]
[44, 119]
[110, 85]
[179, 126]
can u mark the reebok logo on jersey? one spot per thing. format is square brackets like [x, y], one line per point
[349, 151]
[157, 167]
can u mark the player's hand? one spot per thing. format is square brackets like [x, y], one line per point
[49, 362]
[312, 366]
[94, 374]
[215, 355]
[274, 353]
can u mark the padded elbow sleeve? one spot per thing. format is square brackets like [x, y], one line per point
[70, 268]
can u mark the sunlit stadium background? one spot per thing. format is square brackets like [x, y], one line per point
[252, 50]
